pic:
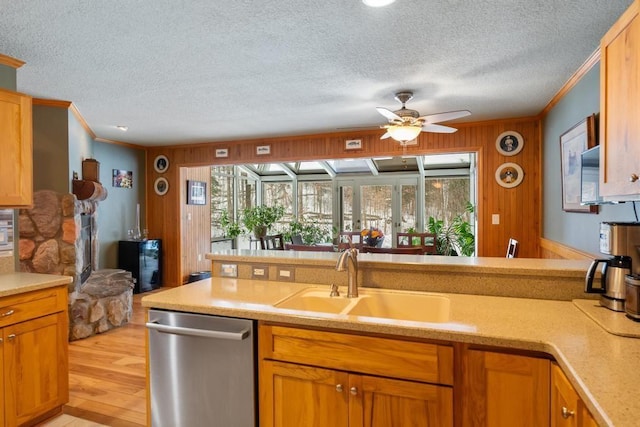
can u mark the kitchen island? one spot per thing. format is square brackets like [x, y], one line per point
[601, 366]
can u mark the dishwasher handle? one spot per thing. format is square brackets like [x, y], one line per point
[177, 330]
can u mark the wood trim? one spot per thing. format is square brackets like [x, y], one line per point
[553, 249]
[592, 60]
[121, 143]
[10, 62]
[82, 121]
[57, 103]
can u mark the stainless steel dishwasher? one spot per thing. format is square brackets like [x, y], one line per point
[202, 370]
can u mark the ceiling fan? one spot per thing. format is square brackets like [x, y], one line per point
[405, 124]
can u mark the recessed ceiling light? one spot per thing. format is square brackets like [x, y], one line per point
[377, 3]
[123, 128]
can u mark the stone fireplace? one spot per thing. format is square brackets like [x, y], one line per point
[59, 235]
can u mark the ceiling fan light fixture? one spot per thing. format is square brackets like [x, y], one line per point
[377, 3]
[404, 133]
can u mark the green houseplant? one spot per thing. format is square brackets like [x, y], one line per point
[259, 219]
[311, 233]
[455, 238]
[231, 228]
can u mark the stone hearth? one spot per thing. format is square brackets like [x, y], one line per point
[51, 242]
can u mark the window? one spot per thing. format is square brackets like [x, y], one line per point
[279, 194]
[315, 203]
[446, 197]
[222, 200]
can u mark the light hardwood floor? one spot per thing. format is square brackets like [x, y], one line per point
[107, 374]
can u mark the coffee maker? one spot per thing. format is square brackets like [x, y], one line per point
[620, 241]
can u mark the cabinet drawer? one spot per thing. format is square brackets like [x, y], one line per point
[387, 357]
[30, 305]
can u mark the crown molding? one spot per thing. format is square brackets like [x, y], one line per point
[591, 61]
[11, 62]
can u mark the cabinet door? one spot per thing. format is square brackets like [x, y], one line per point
[16, 161]
[35, 368]
[620, 106]
[3, 405]
[505, 390]
[383, 402]
[293, 396]
[567, 409]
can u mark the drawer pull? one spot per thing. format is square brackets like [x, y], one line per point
[353, 390]
[11, 337]
[339, 388]
[8, 313]
[566, 413]
[633, 178]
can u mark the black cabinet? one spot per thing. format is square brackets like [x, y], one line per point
[144, 260]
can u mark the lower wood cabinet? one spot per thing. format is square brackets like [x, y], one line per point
[34, 374]
[567, 409]
[297, 394]
[504, 390]
[319, 378]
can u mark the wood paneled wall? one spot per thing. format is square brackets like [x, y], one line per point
[519, 208]
[195, 224]
[550, 249]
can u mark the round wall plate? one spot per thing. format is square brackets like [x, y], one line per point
[509, 143]
[509, 175]
[161, 163]
[161, 186]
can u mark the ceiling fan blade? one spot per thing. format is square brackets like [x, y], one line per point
[443, 117]
[390, 115]
[438, 128]
[386, 135]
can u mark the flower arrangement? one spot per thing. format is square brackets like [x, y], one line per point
[372, 236]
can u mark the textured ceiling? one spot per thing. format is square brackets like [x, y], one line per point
[179, 71]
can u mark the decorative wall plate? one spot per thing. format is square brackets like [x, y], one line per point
[509, 175]
[509, 143]
[161, 164]
[161, 186]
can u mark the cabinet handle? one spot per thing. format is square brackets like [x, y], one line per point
[339, 388]
[566, 413]
[10, 337]
[633, 178]
[8, 313]
[353, 390]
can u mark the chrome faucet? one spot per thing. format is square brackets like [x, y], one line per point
[349, 260]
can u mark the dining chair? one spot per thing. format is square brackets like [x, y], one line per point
[425, 240]
[273, 242]
[512, 248]
[343, 240]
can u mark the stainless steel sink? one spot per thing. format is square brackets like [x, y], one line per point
[386, 304]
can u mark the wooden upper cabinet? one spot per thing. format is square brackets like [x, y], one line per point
[620, 108]
[16, 146]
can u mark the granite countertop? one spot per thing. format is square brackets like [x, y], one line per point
[600, 365]
[495, 265]
[17, 283]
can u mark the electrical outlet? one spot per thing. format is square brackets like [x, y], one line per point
[229, 270]
[260, 272]
[286, 274]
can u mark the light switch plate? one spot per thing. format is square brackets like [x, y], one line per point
[286, 274]
[495, 219]
[260, 272]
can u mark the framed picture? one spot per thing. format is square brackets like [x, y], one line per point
[161, 186]
[262, 150]
[161, 163]
[353, 144]
[222, 152]
[509, 175]
[572, 143]
[509, 143]
[122, 178]
[196, 192]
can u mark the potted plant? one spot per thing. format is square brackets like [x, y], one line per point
[455, 238]
[259, 219]
[311, 233]
[230, 228]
